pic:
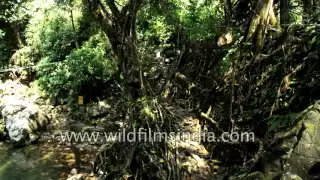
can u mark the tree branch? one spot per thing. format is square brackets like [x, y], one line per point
[137, 4]
[113, 8]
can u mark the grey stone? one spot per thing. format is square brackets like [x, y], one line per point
[74, 171]
[297, 149]
[289, 176]
[23, 121]
[77, 177]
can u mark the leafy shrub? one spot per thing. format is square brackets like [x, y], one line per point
[200, 19]
[50, 34]
[154, 30]
[23, 57]
[84, 71]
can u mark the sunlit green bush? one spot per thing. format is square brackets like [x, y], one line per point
[201, 19]
[50, 34]
[84, 71]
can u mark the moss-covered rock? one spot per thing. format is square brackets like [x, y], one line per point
[306, 152]
[23, 121]
[296, 150]
[289, 176]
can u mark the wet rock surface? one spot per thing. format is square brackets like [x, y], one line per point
[29, 126]
[23, 120]
[24, 123]
[295, 152]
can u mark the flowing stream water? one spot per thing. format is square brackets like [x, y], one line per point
[42, 161]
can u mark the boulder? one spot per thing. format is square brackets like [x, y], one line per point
[23, 121]
[295, 152]
[306, 152]
[289, 176]
[74, 171]
[76, 177]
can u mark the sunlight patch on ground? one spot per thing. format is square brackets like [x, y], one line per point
[47, 156]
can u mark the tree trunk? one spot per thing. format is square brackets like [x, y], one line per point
[284, 12]
[228, 12]
[16, 31]
[74, 30]
[120, 27]
[259, 22]
[307, 9]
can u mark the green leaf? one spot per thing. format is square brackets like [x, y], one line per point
[275, 124]
[285, 122]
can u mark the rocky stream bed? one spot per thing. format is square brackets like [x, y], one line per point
[32, 147]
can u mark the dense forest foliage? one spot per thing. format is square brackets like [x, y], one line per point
[229, 65]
